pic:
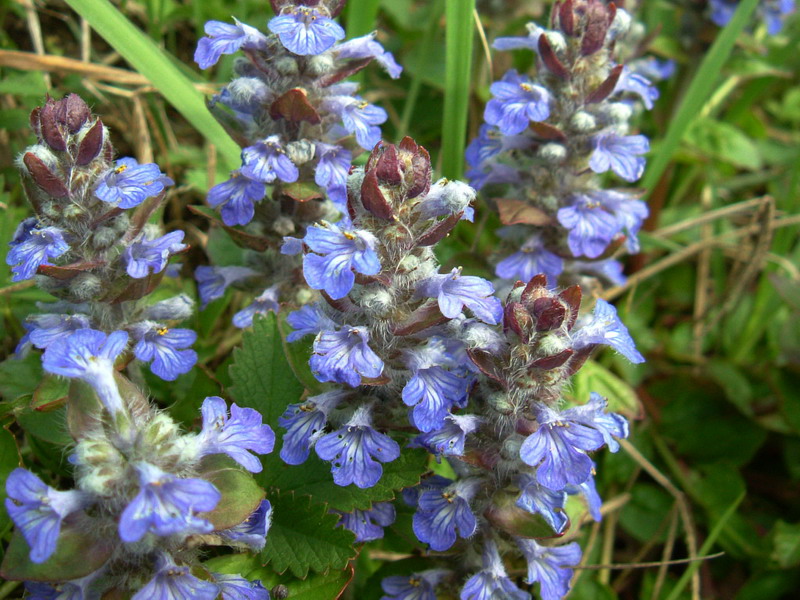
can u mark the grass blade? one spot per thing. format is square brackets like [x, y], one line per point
[699, 91]
[362, 17]
[704, 549]
[459, 34]
[152, 62]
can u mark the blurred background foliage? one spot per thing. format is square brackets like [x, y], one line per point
[713, 300]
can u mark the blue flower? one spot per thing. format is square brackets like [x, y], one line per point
[559, 449]
[332, 170]
[609, 269]
[450, 439]
[236, 587]
[151, 255]
[359, 118]
[213, 281]
[593, 501]
[531, 259]
[224, 38]
[620, 153]
[266, 161]
[172, 582]
[594, 414]
[368, 524]
[44, 329]
[773, 12]
[549, 565]
[338, 252]
[355, 450]
[454, 292]
[252, 532]
[366, 47]
[529, 42]
[344, 356]
[517, 101]
[605, 327]
[166, 348]
[33, 250]
[447, 198]
[166, 505]
[492, 581]
[419, 586]
[305, 423]
[67, 590]
[309, 319]
[306, 31]
[591, 227]
[493, 172]
[234, 435]
[629, 213]
[536, 498]
[653, 68]
[411, 494]
[38, 510]
[237, 196]
[89, 355]
[630, 81]
[267, 301]
[129, 183]
[432, 391]
[441, 513]
[291, 246]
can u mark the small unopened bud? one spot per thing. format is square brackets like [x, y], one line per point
[73, 211]
[287, 66]
[303, 296]
[300, 152]
[283, 225]
[552, 343]
[104, 237]
[409, 263]
[499, 402]
[619, 112]
[176, 308]
[583, 121]
[159, 431]
[510, 448]
[248, 90]
[553, 152]
[557, 41]
[85, 287]
[621, 24]
[377, 301]
[321, 64]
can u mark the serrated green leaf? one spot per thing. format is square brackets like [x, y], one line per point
[48, 426]
[621, 397]
[78, 553]
[314, 478]
[262, 377]
[304, 537]
[240, 493]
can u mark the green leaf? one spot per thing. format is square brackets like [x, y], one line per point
[50, 393]
[154, 63]
[20, 377]
[262, 377]
[304, 537]
[240, 493]
[725, 142]
[314, 478]
[786, 544]
[459, 34]
[78, 553]
[314, 587]
[593, 377]
[699, 91]
[48, 426]
[298, 354]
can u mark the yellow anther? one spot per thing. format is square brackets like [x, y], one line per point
[162, 331]
[120, 169]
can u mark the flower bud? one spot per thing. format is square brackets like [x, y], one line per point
[553, 152]
[583, 121]
[176, 308]
[85, 287]
[619, 112]
[300, 152]
[287, 65]
[321, 64]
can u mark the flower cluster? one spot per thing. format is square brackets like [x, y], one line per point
[300, 125]
[772, 12]
[479, 379]
[548, 139]
[146, 494]
[90, 244]
[379, 327]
